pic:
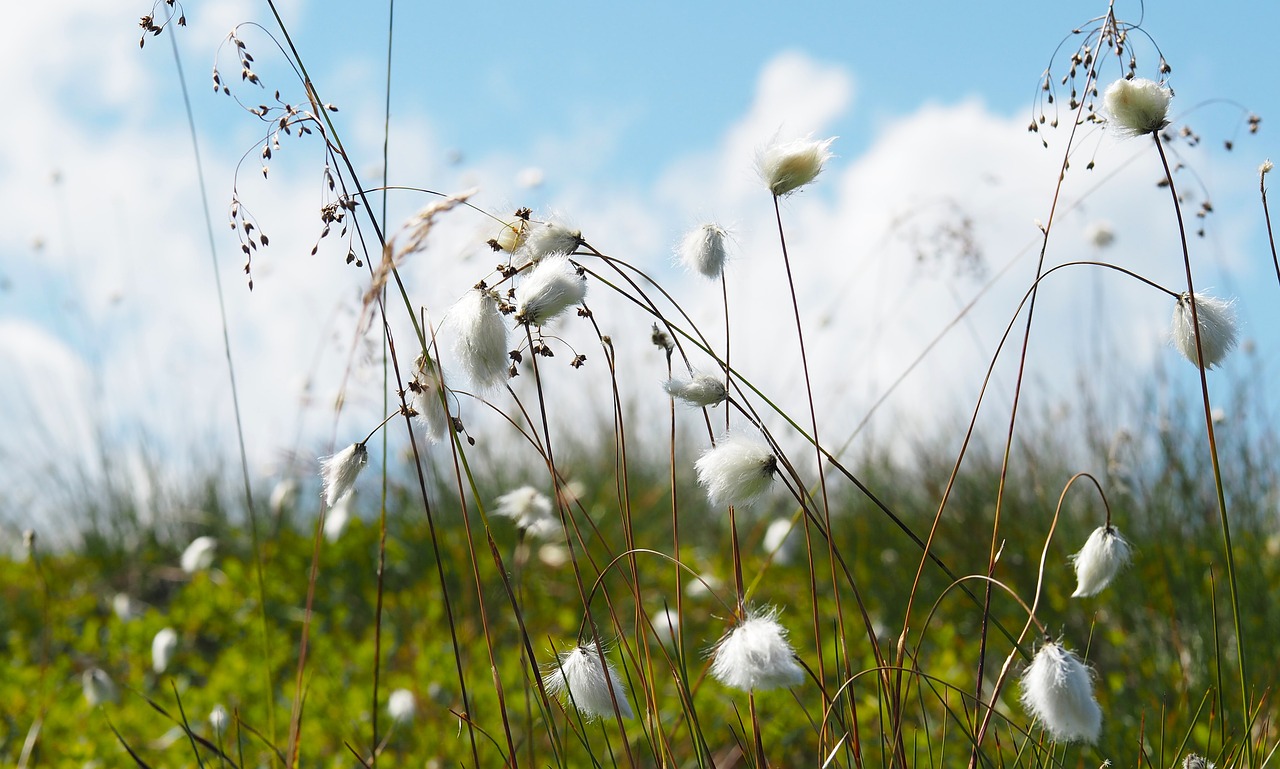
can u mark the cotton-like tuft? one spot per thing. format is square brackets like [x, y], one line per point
[580, 680]
[199, 554]
[552, 287]
[701, 390]
[338, 517]
[481, 341]
[543, 240]
[218, 719]
[787, 166]
[738, 470]
[1104, 554]
[98, 687]
[338, 472]
[704, 249]
[163, 646]
[1057, 689]
[531, 511]
[1137, 106]
[783, 540]
[1217, 328]
[426, 389]
[755, 655]
[401, 706]
[1100, 234]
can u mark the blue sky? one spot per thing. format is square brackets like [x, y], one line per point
[641, 120]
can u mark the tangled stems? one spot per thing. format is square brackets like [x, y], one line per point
[1213, 450]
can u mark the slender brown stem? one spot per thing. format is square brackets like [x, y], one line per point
[1213, 454]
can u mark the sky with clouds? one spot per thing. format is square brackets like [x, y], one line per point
[632, 122]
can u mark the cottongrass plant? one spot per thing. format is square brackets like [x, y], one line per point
[546, 239]
[580, 680]
[1057, 689]
[339, 471]
[481, 341]
[531, 511]
[98, 687]
[755, 655]
[219, 719]
[1104, 554]
[1217, 335]
[785, 167]
[699, 391]
[553, 286]
[163, 645]
[402, 706]
[704, 250]
[199, 554]
[738, 470]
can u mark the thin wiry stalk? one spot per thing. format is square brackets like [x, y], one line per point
[235, 392]
[386, 397]
[340, 153]
[1213, 456]
[1107, 26]
[564, 522]
[1266, 212]
[822, 475]
[1044, 554]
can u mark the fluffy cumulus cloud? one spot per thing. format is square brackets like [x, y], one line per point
[108, 278]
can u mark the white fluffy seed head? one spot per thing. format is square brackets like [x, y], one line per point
[738, 470]
[338, 472]
[531, 511]
[552, 287]
[512, 236]
[481, 341]
[787, 166]
[704, 249]
[543, 240]
[98, 687]
[283, 496]
[199, 554]
[1100, 234]
[700, 391]
[1137, 106]
[782, 539]
[401, 706]
[1057, 689]
[1194, 761]
[755, 655]
[1217, 328]
[578, 679]
[427, 388]
[1104, 554]
[666, 626]
[218, 719]
[163, 646]
[338, 517]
